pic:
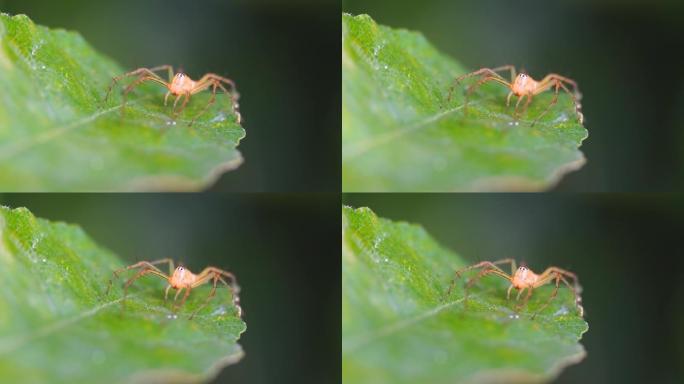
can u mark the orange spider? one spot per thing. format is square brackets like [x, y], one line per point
[180, 85]
[523, 85]
[181, 278]
[523, 278]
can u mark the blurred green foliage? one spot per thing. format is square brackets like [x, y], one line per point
[400, 131]
[398, 325]
[57, 324]
[58, 134]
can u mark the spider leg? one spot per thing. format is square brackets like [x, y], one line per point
[215, 274]
[137, 82]
[520, 293]
[575, 287]
[185, 103]
[221, 272]
[213, 80]
[215, 279]
[480, 275]
[211, 77]
[508, 99]
[527, 298]
[557, 277]
[178, 291]
[234, 103]
[166, 292]
[517, 105]
[140, 72]
[482, 71]
[490, 264]
[175, 102]
[527, 104]
[553, 101]
[575, 100]
[138, 275]
[557, 80]
[508, 292]
[162, 67]
[211, 101]
[176, 307]
[478, 84]
[147, 264]
[573, 83]
[550, 270]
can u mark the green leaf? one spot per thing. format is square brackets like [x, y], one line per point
[58, 326]
[400, 132]
[58, 134]
[398, 326]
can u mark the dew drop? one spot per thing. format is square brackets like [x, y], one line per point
[219, 311]
[218, 118]
[561, 311]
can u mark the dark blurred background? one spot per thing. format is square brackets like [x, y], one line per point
[626, 250]
[283, 55]
[284, 250]
[625, 55]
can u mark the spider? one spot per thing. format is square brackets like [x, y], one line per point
[181, 86]
[524, 278]
[180, 278]
[523, 85]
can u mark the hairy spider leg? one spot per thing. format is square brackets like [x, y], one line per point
[575, 287]
[482, 71]
[149, 264]
[213, 80]
[233, 286]
[211, 101]
[138, 275]
[557, 81]
[479, 265]
[215, 277]
[557, 277]
[486, 271]
[554, 100]
[138, 81]
[138, 72]
[520, 306]
[478, 84]
[183, 104]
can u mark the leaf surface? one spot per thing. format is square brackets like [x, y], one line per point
[401, 133]
[58, 134]
[398, 325]
[57, 325]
